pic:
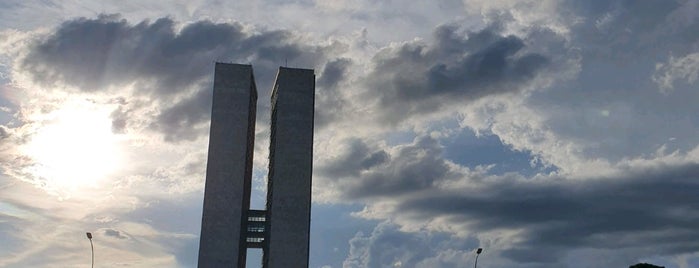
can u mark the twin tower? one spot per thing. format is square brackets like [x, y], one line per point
[229, 227]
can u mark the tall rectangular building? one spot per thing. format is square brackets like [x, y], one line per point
[229, 226]
[290, 169]
[229, 167]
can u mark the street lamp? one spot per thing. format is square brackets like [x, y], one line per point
[478, 253]
[92, 248]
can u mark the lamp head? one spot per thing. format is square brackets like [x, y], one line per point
[89, 235]
[479, 251]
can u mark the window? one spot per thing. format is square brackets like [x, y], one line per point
[255, 239]
[256, 218]
[256, 229]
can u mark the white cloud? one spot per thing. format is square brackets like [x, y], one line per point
[683, 68]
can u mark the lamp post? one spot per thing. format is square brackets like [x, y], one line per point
[92, 248]
[478, 253]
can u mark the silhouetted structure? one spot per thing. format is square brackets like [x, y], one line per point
[229, 167]
[229, 226]
[290, 165]
[645, 265]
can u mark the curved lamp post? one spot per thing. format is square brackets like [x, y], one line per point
[478, 253]
[92, 248]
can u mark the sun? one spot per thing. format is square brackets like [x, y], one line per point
[74, 148]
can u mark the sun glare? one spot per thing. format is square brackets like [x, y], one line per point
[74, 148]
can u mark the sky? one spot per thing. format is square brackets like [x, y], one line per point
[549, 133]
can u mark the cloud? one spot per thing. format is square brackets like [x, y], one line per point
[182, 121]
[623, 213]
[95, 54]
[330, 99]
[119, 118]
[686, 68]
[387, 246]
[357, 158]
[624, 30]
[158, 63]
[416, 78]
[4, 133]
[362, 172]
[537, 220]
[571, 83]
[114, 233]
[333, 73]
[587, 112]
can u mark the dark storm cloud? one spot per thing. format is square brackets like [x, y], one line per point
[114, 233]
[656, 207]
[329, 99]
[359, 157]
[333, 73]
[418, 78]
[93, 54]
[489, 66]
[645, 206]
[108, 53]
[365, 173]
[175, 122]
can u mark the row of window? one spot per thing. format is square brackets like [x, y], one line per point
[256, 218]
[256, 229]
[255, 239]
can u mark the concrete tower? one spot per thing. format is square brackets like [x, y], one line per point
[290, 168]
[229, 226]
[229, 167]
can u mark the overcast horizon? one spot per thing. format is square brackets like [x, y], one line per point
[550, 133]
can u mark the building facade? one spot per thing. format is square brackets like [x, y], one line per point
[290, 167]
[229, 226]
